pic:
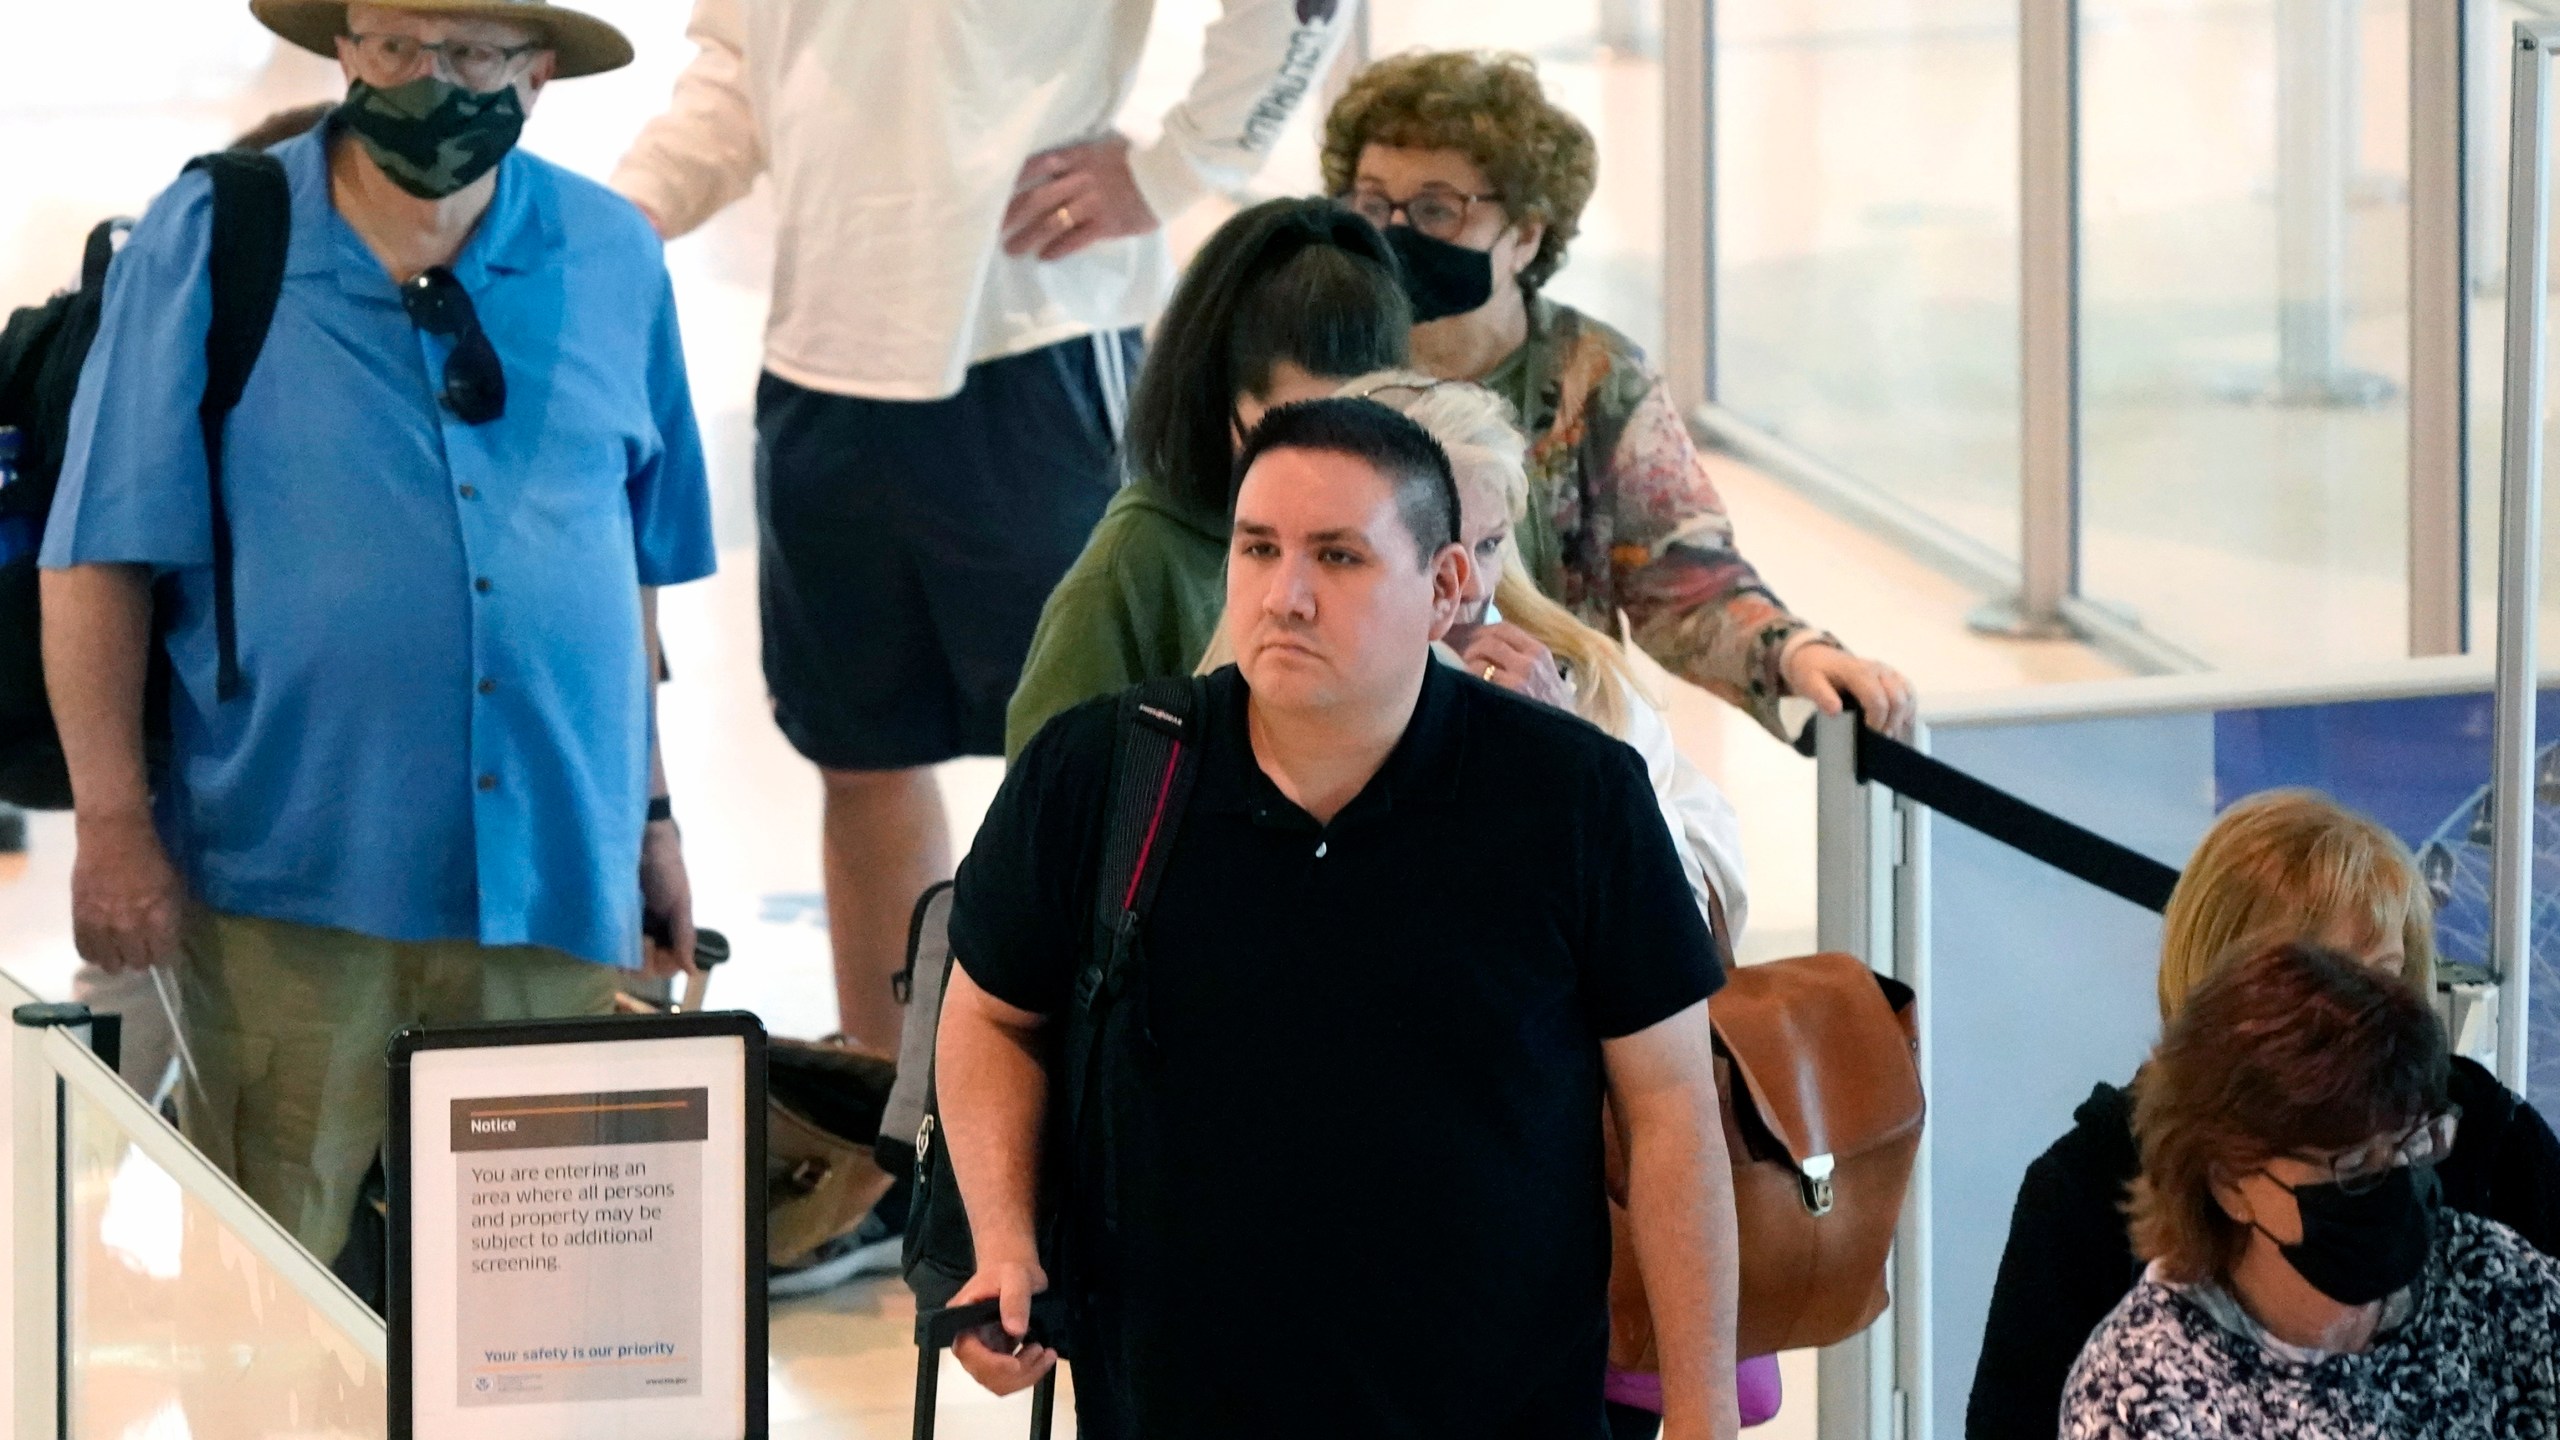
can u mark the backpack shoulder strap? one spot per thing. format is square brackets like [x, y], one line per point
[100, 249]
[252, 224]
[1153, 761]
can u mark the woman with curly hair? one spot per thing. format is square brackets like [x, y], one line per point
[1479, 182]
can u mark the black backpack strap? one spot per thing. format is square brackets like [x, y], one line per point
[252, 223]
[99, 250]
[1154, 760]
[1152, 770]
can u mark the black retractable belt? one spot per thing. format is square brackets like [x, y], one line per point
[2075, 851]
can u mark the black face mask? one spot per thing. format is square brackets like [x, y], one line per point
[2358, 1248]
[1440, 279]
[430, 136]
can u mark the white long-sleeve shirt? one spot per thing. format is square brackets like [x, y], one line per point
[894, 131]
[1703, 827]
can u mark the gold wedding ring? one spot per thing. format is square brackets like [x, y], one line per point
[1066, 218]
[1490, 671]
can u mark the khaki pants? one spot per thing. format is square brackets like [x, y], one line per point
[290, 1027]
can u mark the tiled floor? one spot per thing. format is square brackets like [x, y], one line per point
[188, 75]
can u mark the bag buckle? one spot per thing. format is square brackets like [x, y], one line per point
[1813, 1185]
[806, 1176]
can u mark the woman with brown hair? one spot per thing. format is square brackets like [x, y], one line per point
[1479, 182]
[2283, 865]
[2303, 1279]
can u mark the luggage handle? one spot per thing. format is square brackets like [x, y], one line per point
[937, 1329]
[710, 949]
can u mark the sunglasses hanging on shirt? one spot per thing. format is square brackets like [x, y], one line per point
[475, 389]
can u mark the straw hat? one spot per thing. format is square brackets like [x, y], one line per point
[585, 45]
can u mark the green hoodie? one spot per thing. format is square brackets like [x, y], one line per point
[1142, 600]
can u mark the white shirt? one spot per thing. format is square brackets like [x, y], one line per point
[1704, 828]
[894, 131]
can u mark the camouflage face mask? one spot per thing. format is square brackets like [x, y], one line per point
[430, 136]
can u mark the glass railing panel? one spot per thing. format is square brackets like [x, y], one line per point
[1866, 240]
[2492, 40]
[2245, 324]
[187, 1312]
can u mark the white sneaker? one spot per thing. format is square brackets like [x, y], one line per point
[869, 1249]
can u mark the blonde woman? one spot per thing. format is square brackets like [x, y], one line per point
[1512, 635]
[2286, 865]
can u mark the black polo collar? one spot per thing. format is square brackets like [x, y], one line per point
[1424, 767]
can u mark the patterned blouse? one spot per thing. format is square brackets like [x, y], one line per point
[1622, 516]
[2476, 1358]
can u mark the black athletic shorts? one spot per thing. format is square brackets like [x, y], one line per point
[907, 546]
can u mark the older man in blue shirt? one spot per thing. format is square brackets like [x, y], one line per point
[466, 457]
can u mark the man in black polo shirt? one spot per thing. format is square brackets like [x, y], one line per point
[1412, 931]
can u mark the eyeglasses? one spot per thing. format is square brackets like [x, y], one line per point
[1439, 211]
[2360, 1169]
[473, 64]
[475, 388]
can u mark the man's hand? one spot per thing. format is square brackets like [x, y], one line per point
[999, 1356]
[1507, 656]
[126, 898]
[1820, 672]
[1074, 196]
[666, 900]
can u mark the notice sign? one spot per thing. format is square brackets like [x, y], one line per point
[597, 1194]
[577, 1230]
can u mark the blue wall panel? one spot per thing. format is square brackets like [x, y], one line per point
[2041, 986]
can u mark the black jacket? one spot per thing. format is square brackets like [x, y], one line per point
[2069, 1259]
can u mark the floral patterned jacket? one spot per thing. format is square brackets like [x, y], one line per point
[1622, 516]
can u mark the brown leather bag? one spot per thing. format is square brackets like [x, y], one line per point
[823, 1101]
[821, 1180]
[1818, 1074]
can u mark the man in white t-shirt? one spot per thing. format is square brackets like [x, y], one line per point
[966, 252]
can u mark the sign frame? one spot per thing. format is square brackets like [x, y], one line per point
[399, 1168]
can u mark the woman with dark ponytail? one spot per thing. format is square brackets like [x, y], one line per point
[1285, 302]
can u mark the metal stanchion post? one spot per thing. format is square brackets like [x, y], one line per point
[1688, 202]
[39, 1395]
[2440, 85]
[1628, 27]
[2486, 44]
[2316, 52]
[1857, 1382]
[2048, 326]
[2513, 802]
